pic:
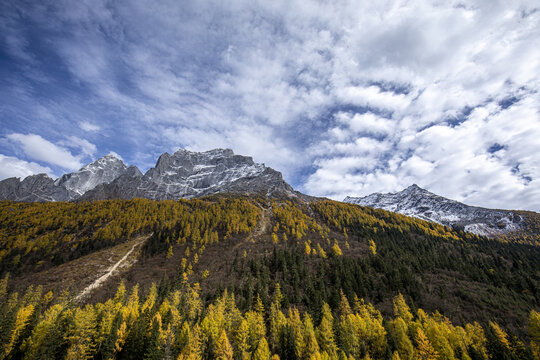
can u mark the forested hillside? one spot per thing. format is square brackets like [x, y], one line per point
[237, 277]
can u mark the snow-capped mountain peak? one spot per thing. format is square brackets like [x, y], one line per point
[104, 170]
[187, 174]
[417, 202]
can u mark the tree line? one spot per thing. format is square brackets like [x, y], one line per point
[179, 325]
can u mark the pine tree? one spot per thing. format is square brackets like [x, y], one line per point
[398, 330]
[277, 322]
[325, 332]
[121, 335]
[336, 250]
[258, 306]
[534, 332]
[424, 349]
[278, 296]
[192, 341]
[262, 352]
[81, 337]
[295, 324]
[401, 309]
[498, 345]
[372, 247]
[21, 320]
[154, 351]
[307, 248]
[241, 338]
[224, 350]
[311, 345]
[166, 340]
[344, 306]
[35, 346]
[321, 251]
[257, 328]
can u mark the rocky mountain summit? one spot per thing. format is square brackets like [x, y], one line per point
[34, 188]
[187, 174]
[41, 188]
[417, 202]
[103, 170]
[184, 174]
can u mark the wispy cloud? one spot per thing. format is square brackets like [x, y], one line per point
[37, 148]
[87, 126]
[345, 98]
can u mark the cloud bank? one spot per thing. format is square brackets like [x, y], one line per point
[345, 98]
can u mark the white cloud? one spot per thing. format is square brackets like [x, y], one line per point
[88, 126]
[375, 95]
[87, 148]
[116, 155]
[371, 96]
[366, 123]
[417, 167]
[12, 167]
[37, 148]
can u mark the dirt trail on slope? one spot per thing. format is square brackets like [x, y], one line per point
[264, 224]
[123, 262]
[262, 227]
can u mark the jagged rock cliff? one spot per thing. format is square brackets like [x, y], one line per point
[184, 174]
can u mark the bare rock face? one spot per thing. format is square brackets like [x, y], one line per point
[121, 188]
[40, 188]
[34, 188]
[417, 202]
[187, 174]
[184, 174]
[9, 188]
[103, 170]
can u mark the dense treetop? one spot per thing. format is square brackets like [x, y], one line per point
[255, 278]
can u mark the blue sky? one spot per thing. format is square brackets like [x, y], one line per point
[342, 97]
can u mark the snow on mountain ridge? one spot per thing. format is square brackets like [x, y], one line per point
[41, 187]
[104, 170]
[187, 174]
[184, 174]
[420, 203]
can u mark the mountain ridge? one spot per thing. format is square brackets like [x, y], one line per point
[183, 174]
[423, 204]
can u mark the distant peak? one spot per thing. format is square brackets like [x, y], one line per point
[107, 158]
[38, 176]
[111, 156]
[107, 161]
[414, 188]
